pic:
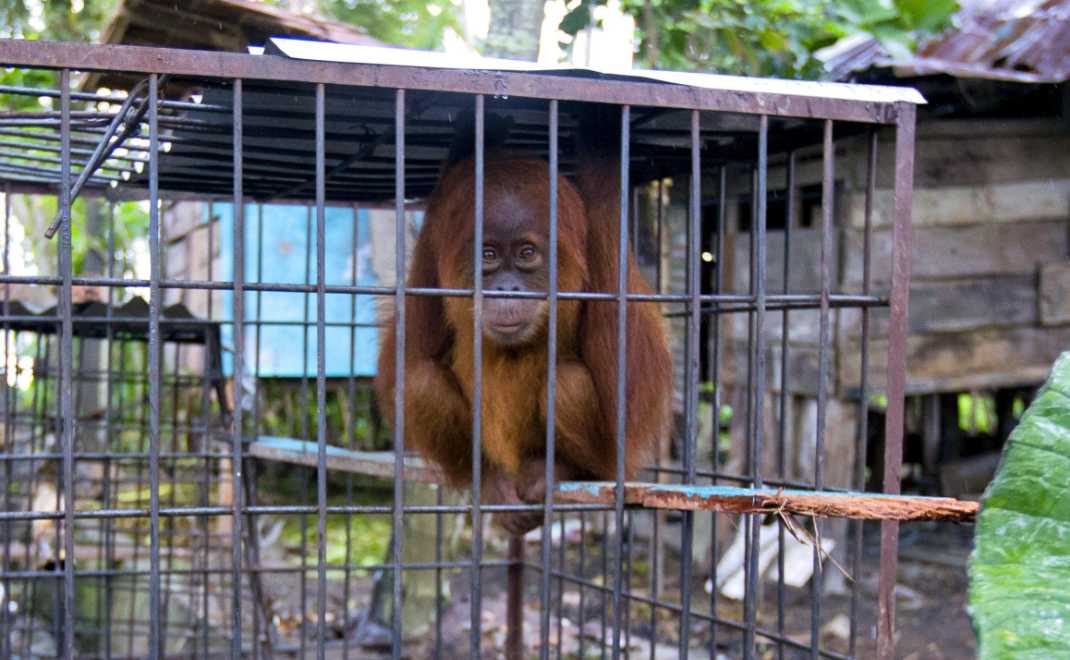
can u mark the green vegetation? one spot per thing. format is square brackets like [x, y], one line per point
[415, 23]
[283, 404]
[765, 37]
[412, 23]
[55, 20]
[366, 543]
[1018, 571]
[977, 413]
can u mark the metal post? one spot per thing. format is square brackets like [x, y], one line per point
[476, 612]
[399, 364]
[514, 605]
[896, 386]
[321, 377]
[67, 420]
[824, 338]
[238, 375]
[154, 372]
[759, 358]
[551, 401]
[861, 440]
[622, 366]
[694, 283]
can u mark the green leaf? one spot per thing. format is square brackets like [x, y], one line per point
[1020, 566]
[867, 11]
[927, 15]
[899, 43]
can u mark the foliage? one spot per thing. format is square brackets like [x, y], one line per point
[413, 23]
[1021, 562]
[52, 20]
[288, 407]
[765, 37]
[977, 413]
[56, 20]
[131, 222]
[353, 540]
[60, 20]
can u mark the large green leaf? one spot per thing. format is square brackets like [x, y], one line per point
[1020, 567]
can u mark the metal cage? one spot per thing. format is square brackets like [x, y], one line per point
[329, 140]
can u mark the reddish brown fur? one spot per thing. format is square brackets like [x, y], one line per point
[439, 333]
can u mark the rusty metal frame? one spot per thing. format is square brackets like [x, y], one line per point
[205, 64]
[156, 62]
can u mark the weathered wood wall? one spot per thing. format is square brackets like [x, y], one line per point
[991, 259]
[990, 292]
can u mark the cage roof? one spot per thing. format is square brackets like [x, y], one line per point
[278, 147]
[279, 126]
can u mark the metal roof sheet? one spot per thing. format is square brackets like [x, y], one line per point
[360, 54]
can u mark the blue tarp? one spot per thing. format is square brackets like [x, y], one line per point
[289, 256]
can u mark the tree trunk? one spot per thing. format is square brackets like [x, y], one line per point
[515, 27]
[650, 35]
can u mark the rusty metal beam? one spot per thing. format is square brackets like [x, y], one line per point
[207, 64]
[902, 242]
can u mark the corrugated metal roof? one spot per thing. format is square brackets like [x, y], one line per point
[1010, 40]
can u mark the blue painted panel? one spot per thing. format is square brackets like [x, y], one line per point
[288, 339]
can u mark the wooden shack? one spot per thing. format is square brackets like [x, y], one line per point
[989, 303]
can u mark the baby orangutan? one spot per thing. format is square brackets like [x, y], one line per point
[439, 360]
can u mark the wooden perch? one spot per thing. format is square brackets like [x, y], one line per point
[725, 499]
[730, 499]
[368, 463]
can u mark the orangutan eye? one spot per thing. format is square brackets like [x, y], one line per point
[527, 253]
[490, 254]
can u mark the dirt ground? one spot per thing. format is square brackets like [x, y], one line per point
[932, 588]
[931, 616]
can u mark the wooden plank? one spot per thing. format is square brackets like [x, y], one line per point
[996, 151]
[804, 326]
[940, 306]
[730, 499]
[947, 205]
[961, 252]
[973, 304]
[972, 128]
[982, 359]
[954, 307]
[726, 499]
[986, 158]
[805, 273]
[368, 463]
[803, 369]
[1054, 298]
[982, 158]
